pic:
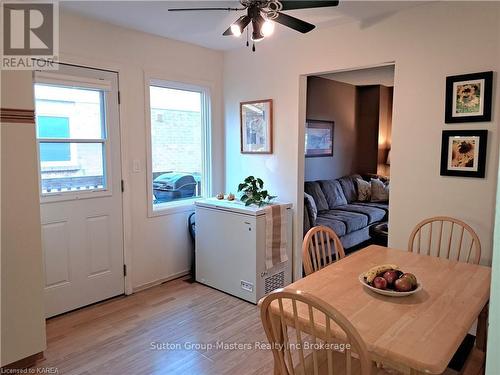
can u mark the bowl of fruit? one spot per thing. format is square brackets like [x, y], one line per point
[389, 280]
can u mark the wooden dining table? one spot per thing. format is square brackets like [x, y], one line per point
[416, 334]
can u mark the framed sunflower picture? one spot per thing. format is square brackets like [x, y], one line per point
[468, 97]
[463, 153]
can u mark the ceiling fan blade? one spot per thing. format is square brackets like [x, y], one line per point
[188, 9]
[294, 23]
[295, 4]
[242, 22]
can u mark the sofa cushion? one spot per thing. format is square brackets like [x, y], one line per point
[336, 225]
[381, 205]
[313, 189]
[311, 206]
[352, 220]
[373, 214]
[307, 220]
[348, 184]
[333, 193]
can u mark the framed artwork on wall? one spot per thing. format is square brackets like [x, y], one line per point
[256, 127]
[463, 153]
[319, 138]
[468, 97]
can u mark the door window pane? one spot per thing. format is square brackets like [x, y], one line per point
[85, 171]
[176, 144]
[52, 127]
[68, 120]
[55, 152]
[83, 109]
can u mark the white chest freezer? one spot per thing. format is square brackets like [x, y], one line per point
[230, 249]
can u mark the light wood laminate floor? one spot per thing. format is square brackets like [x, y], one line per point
[117, 336]
[126, 335]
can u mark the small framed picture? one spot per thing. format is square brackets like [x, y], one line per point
[468, 97]
[256, 127]
[319, 138]
[463, 153]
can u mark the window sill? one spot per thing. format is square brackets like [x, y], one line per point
[74, 195]
[58, 167]
[173, 207]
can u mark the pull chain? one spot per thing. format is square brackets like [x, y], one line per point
[247, 38]
[253, 47]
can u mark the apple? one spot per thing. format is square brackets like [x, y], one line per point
[390, 276]
[380, 283]
[403, 284]
[412, 279]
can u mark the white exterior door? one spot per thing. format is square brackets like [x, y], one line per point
[80, 186]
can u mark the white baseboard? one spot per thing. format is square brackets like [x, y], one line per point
[160, 281]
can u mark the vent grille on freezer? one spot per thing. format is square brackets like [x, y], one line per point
[274, 282]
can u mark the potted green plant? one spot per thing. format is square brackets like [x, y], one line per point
[253, 192]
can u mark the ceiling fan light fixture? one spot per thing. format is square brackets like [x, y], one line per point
[263, 14]
[236, 30]
[257, 22]
[257, 37]
[267, 28]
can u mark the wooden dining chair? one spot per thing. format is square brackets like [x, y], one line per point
[446, 237]
[317, 249]
[309, 336]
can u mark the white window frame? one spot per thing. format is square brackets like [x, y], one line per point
[206, 144]
[61, 80]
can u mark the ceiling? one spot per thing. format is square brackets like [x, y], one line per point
[206, 28]
[380, 75]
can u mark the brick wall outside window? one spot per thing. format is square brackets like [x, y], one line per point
[176, 140]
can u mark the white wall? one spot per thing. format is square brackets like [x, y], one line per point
[22, 312]
[426, 45]
[155, 248]
[492, 358]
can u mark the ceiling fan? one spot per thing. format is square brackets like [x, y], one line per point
[262, 13]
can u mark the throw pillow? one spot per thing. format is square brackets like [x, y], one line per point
[313, 189]
[311, 206]
[364, 190]
[348, 184]
[380, 191]
[333, 193]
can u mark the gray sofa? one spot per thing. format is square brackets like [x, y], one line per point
[338, 209]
